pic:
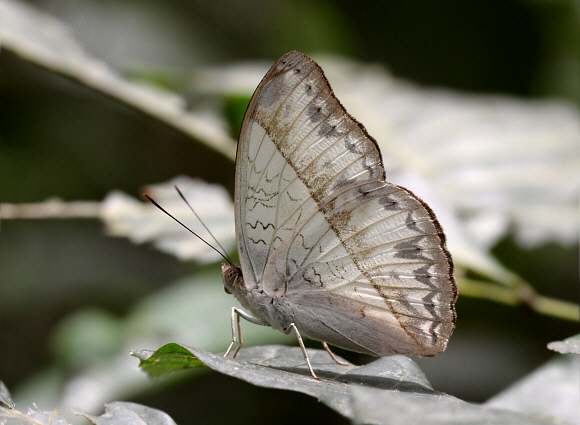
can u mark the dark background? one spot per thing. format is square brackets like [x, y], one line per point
[62, 140]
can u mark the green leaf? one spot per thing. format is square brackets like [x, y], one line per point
[169, 358]
[235, 108]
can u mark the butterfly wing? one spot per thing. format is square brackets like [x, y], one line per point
[355, 261]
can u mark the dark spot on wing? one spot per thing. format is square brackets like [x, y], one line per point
[411, 223]
[409, 309]
[328, 130]
[422, 275]
[315, 113]
[352, 146]
[430, 305]
[433, 331]
[362, 193]
[410, 250]
[389, 203]
[369, 163]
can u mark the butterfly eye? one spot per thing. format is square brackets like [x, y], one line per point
[231, 277]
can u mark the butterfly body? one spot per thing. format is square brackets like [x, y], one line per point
[325, 243]
[263, 306]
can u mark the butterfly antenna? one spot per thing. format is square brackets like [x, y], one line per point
[225, 254]
[188, 229]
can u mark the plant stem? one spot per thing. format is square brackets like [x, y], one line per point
[523, 293]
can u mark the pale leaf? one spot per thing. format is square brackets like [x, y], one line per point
[142, 222]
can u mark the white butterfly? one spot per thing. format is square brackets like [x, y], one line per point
[328, 248]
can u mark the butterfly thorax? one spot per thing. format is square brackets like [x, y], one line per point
[255, 299]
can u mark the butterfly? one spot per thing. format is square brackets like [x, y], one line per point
[328, 248]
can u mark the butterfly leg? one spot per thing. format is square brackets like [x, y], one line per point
[236, 314]
[332, 356]
[293, 326]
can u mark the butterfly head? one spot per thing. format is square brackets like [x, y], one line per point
[232, 277]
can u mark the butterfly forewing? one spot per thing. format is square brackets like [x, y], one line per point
[353, 260]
